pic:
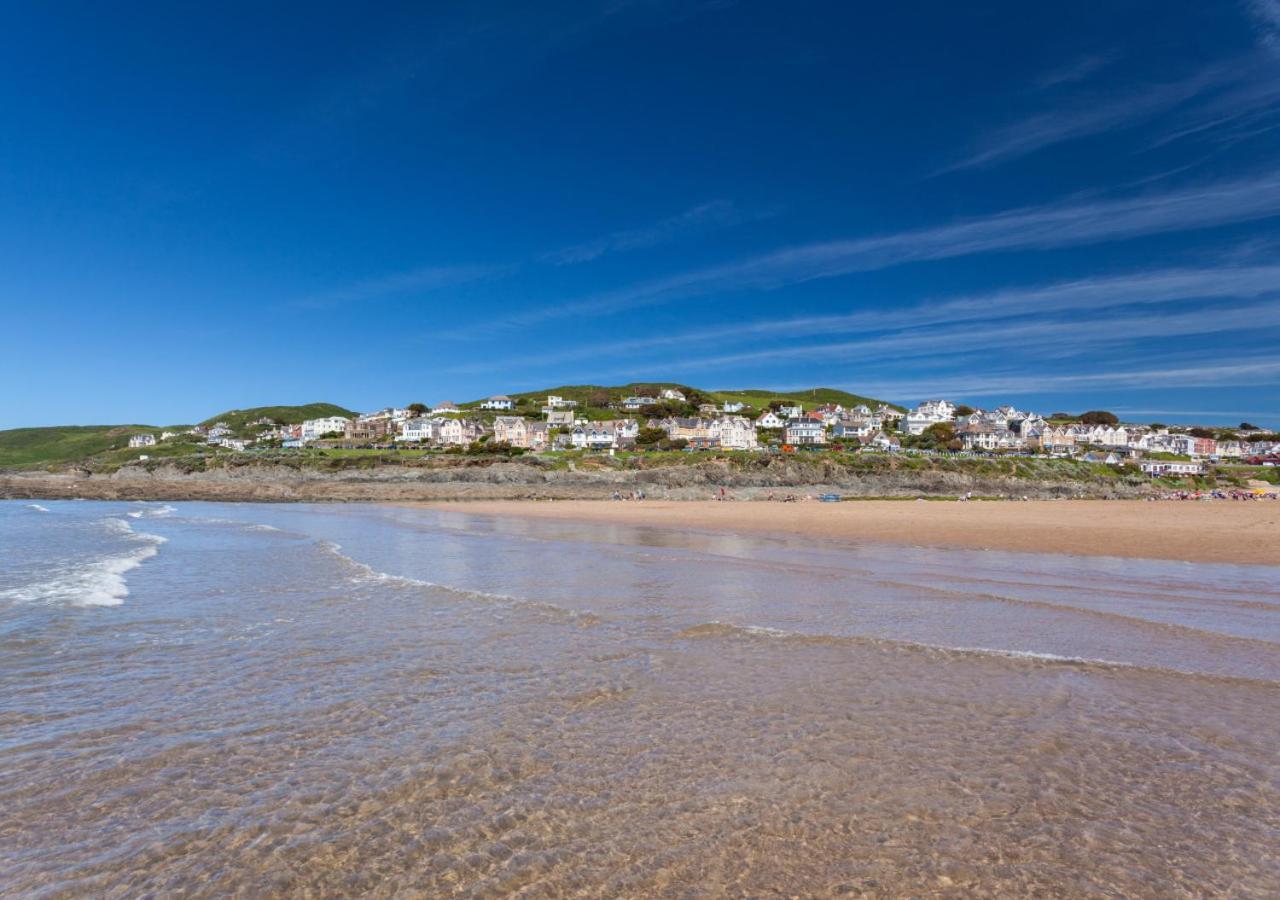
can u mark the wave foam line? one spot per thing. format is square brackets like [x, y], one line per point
[99, 582]
[717, 629]
[368, 573]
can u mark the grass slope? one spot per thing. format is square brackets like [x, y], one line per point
[757, 399]
[237, 419]
[20, 447]
[28, 447]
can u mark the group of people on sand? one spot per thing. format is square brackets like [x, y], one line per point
[1217, 495]
[629, 495]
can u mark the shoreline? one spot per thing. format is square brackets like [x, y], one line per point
[1243, 533]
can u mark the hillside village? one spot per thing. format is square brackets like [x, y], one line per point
[679, 418]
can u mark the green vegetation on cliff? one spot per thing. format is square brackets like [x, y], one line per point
[61, 444]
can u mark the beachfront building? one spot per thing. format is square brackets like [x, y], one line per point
[418, 430]
[142, 440]
[886, 443]
[1156, 467]
[855, 428]
[672, 394]
[633, 404]
[733, 406]
[791, 411]
[447, 408]
[594, 436]
[769, 419]
[457, 432]
[554, 402]
[498, 402]
[736, 433]
[806, 430]
[930, 412]
[560, 418]
[516, 431]
[988, 438]
[370, 428]
[314, 429]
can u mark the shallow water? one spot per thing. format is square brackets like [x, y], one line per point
[313, 700]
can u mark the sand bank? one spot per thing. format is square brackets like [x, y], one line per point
[1195, 531]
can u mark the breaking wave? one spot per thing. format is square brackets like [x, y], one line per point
[151, 512]
[37, 507]
[98, 582]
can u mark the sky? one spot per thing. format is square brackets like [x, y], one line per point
[1060, 205]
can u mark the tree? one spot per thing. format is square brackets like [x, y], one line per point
[1099, 417]
[963, 410]
[1245, 426]
[649, 437]
[1063, 417]
[417, 409]
[939, 435]
[1200, 432]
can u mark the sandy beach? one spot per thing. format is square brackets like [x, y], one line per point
[1194, 531]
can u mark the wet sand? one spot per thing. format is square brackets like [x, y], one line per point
[1246, 532]
[209, 700]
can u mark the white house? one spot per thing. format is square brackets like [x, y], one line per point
[165, 435]
[1155, 467]
[498, 402]
[595, 436]
[733, 406]
[930, 412]
[554, 402]
[791, 412]
[417, 430]
[806, 430]
[859, 428]
[314, 429]
[672, 394]
[447, 408]
[635, 403]
[769, 419]
[142, 440]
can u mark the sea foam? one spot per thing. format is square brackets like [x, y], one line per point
[96, 582]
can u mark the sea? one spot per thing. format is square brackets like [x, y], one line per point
[207, 699]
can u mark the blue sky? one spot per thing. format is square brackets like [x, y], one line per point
[1060, 205]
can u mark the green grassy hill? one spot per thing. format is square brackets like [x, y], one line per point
[238, 419]
[60, 444]
[590, 397]
[20, 447]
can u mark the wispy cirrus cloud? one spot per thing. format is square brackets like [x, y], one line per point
[701, 218]
[1162, 286]
[1023, 338]
[1090, 115]
[1258, 370]
[426, 279]
[1266, 19]
[1053, 226]
[1076, 70]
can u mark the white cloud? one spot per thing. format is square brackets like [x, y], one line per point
[1052, 226]
[1089, 116]
[429, 278]
[703, 217]
[1257, 371]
